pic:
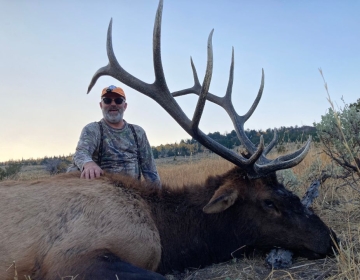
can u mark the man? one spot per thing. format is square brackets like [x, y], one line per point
[114, 145]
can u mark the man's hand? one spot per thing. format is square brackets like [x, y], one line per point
[91, 171]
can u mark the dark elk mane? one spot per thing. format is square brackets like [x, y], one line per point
[180, 219]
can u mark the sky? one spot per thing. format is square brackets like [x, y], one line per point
[49, 51]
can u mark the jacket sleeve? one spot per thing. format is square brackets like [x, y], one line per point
[148, 167]
[88, 143]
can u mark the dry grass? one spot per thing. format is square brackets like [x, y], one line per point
[190, 170]
[31, 173]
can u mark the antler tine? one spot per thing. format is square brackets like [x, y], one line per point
[271, 144]
[158, 68]
[239, 121]
[196, 88]
[257, 99]
[114, 69]
[256, 155]
[283, 162]
[296, 153]
[231, 78]
[205, 87]
[196, 79]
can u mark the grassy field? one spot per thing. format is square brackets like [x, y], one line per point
[338, 205]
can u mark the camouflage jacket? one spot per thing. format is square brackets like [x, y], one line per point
[119, 154]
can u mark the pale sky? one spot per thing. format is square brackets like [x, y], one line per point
[49, 50]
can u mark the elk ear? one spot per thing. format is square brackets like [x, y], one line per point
[223, 198]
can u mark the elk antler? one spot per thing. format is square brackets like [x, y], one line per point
[257, 165]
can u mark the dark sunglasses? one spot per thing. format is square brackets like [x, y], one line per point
[108, 100]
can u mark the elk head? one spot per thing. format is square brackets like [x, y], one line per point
[271, 216]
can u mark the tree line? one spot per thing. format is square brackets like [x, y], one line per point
[54, 165]
[230, 140]
[38, 161]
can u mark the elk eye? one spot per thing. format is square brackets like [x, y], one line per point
[269, 203]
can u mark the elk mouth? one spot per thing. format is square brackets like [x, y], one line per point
[332, 249]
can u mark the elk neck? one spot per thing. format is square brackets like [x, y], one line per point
[192, 238]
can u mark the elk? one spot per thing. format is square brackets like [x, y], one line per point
[116, 226]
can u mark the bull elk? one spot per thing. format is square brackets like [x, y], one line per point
[116, 226]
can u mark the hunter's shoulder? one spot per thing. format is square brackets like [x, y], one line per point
[137, 128]
[91, 127]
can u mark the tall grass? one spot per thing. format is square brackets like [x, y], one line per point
[192, 171]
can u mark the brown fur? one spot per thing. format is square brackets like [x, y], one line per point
[60, 226]
[50, 224]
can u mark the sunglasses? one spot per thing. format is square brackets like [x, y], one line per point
[108, 100]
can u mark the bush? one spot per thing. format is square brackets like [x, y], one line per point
[339, 132]
[55, 166]
[155, 152]
[356, 105]
[288, 179]
[10, 171]
[2, 174]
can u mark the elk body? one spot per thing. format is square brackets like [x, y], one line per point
[64, 226]
[118, 227]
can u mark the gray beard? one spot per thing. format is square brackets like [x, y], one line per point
[111, 118]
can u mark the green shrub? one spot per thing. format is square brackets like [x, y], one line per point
[11, 170]
[288, 179]
[339, 132]
[2, 174]
[56, 165]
